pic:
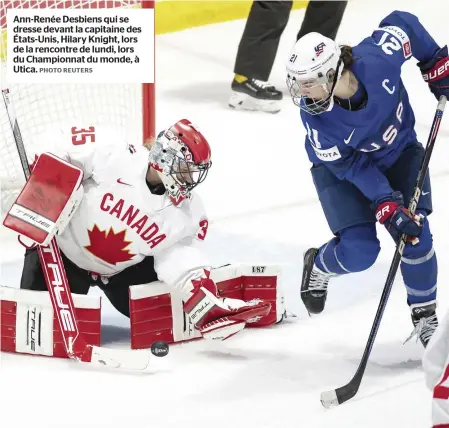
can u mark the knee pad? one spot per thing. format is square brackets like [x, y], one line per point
[358, 248]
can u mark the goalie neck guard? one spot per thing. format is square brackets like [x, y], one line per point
[181, 156]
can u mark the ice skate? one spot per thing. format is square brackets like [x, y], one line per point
[425, 320]
[314, 284]
[253, 94]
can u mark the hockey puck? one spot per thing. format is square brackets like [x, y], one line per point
[159, 348]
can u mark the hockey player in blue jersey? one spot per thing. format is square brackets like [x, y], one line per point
[365, 155]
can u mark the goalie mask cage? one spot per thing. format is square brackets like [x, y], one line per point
[39, 106]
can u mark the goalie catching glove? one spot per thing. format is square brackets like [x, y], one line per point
[48, 200]
[220, 318]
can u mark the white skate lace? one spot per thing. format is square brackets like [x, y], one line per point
[424, 328]
[318, 281]
[262, 84]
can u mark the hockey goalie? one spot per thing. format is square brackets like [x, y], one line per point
[126, 220]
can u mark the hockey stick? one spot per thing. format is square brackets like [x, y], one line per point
[338, 396]
[61, 298]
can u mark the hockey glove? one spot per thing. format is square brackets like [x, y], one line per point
[390, 212]
[436, 73]
[220, 318]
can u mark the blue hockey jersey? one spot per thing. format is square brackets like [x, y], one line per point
[360, 145]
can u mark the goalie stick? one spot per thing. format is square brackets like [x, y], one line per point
[61, 298]
[338, 396]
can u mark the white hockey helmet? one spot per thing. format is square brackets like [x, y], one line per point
[313, 68]
[181, 156]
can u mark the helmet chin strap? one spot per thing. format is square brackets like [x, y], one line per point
[337, 76]
[177, 196]
[315, 106]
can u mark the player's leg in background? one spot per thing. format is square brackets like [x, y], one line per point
[355, 246]
[256, 54]
[354, 249]
[116, 287]
[323, 17]
[33, 276]
[419, 266]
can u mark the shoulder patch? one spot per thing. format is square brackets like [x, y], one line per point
[401, 36]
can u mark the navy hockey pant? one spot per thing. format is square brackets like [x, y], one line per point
[351, 218]
[355, 249]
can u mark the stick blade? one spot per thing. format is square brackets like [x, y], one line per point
[126, 360]
[338, 396]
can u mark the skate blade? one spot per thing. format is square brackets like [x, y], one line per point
[241, 101]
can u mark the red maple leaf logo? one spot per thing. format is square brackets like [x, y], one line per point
[108, 245]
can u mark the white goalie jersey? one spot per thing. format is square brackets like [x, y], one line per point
[119, 221]
[89, 189]
[436, 367]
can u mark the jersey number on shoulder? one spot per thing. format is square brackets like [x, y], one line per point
[204, 224]
[392, 43]
[83, 135]
[390, 133]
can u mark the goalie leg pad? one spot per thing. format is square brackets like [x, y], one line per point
[156, 313]
[248, 282]
[156, 310]
[28, 325]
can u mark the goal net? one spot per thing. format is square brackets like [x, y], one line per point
[39, 106]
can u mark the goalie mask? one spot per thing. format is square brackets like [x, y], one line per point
[313, 69]
[181, 156]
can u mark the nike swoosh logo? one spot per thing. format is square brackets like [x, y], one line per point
[119, 181]
[425, 193]
[347, 140]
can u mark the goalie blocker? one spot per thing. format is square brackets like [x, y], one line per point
[28, 324]
[48, 200]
